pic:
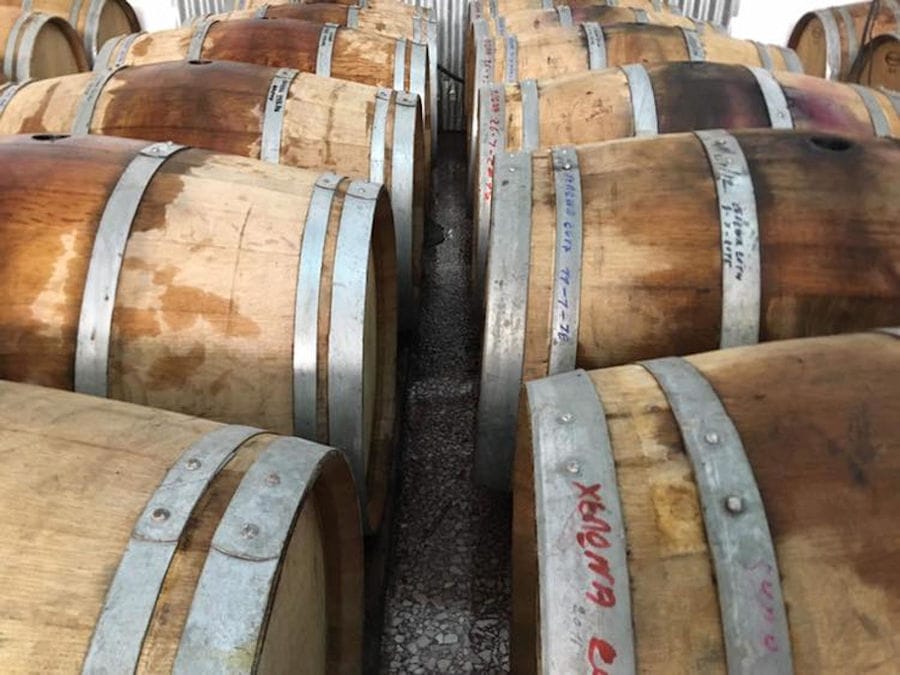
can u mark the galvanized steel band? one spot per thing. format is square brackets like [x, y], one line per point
[545, 4]
[511, 72]
[195, 49]
[26, 46]
[505, 318]
[120, 46]
[643, 100]
[261, 12]
[379, 135]
[8, 93]
[850, 32]
[757, 639]
[531, 115]
[273, 117]
[500, 26]
[893, 332]
[765, 59]
[880, 124]
[27, 6]
[132, 595]
[575, 474]
[596, 44]
[81, 126]
[418, 73]
[346, 344]
[75, 12]
[353, 17]
[484, 73]
[326, 49]
[640, 15]
[107, 256]
[776, 102]
[791, 60]
[832, 44]
[566, 301]
[694, 44]
[306, 308]
[400, 65]
[741, 273]
[11, 55]
[565, 16]
[92, 26]
[227, 619]
[492, 143]
[403, 158]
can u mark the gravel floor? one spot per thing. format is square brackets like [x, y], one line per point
[448, 593]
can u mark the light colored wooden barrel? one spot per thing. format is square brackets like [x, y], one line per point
[246, 292]
[812, 425]
[828, 40]
[95, 20]
[560, 51]
[480, 9]
[608, 253]
[37, 46]
[391, 21]
[324, 124]
[121, 521]
[309, 47]
[878, 64]
[671, 97]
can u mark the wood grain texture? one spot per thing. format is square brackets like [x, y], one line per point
[78, 472]
[204, 313]
[357, 56]
[818, 422]
[809, 37]
[327, 123]
[57, 49]
[652, 261]
[878, 64]
[505, 7]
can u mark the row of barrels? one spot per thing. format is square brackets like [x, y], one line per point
[646, 188]
[222, 223]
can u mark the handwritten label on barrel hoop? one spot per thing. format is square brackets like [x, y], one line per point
[761, 578]
[493, 141]
[278, 94]
[566, 243]
[593, 537]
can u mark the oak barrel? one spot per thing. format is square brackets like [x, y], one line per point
[391, 21]
[638, 100]
[326, 50]
[828, 40]
[95, 20]
[213, 285]
[307, 121]
[878, 64]
[607, 253]
[480, 9]
[560, 51]
[137, 540]
[37, 46]
[616, 524]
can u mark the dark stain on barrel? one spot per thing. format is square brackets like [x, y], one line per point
[175, 370]
[280, 44]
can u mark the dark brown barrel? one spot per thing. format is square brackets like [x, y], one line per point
[878, 65]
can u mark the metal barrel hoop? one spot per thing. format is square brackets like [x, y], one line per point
[893, 332]
[880, 124]
[780, 116]
[566, 300]
[850, 32]
[492, 143]
[117, 47]
[8, 92]
[485, 53]
[201, 30]
[564, 14]
[379, 135]
[346, 343]
[418, 73]
[531, 115]
[92, 27]
[273, 115]
[640, 15]
[403, 158]
[262, 12]
[643, 100]
[26, 46]
[247, 549]
[505, 317]
[694, 44]
[127, 611]
[84, 115]
[765, 58]
[596, 45]
[400, 65]
[756, 633]
[306, 308]
[511, 71]
[832, 44]
[107, 257]
[739, 225]
[326, 49]
[574, 468]
[11, 56]
[353, 17]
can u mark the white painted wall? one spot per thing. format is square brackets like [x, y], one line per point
[156, 14]
[771, 21]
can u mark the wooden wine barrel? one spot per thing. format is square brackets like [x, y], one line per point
[480, 9]
[684, 515]
[326, 50]
[207, 284]
[95, 20]
[828, 40]
[559, 51]
[137, 540]
[675, 245]
[671, 97]
[878, 64]
[308, 122]
[391, 21]
[37, 46]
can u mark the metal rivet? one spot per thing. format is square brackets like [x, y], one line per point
[712, 438]
[249, 531]
[734, 504]
[566, 418]
[573, 467]
[193, 464]
[567, 166]
[512, 169]
[160, 515]
[273, 479]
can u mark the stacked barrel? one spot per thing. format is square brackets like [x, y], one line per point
[645, 188]
[222, 222]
